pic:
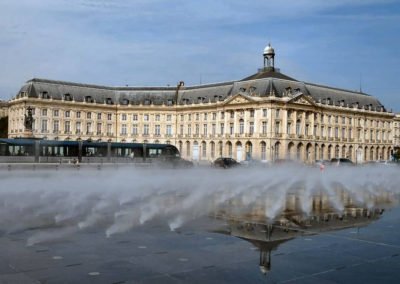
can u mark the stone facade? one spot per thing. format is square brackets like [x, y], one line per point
[266, 116]
[396, 131]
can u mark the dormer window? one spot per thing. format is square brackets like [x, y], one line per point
[67, 97]
[170, 102]
[328, 101]
[147, 102]
[125, 102]
[185, 101]
[242, 89]
[88, 99]
[109, 101]
[297, 90]
[45, 95]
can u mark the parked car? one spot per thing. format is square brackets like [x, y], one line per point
[225, 163]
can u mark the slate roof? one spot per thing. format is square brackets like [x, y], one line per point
[265, 83]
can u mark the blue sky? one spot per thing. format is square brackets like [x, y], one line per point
[154, 42]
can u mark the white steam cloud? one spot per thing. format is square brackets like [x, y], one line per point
[53, 205]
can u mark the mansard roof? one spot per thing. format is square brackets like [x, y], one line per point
[265, 83]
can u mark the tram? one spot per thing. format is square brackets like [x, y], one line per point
[54, 151]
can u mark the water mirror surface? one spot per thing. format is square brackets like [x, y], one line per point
[285, 224]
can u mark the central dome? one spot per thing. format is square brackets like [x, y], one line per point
[269, 50]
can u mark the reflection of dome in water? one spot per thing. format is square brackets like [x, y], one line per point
[264, 270]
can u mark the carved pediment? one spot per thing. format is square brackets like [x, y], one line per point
[238, 99]
[302, 100]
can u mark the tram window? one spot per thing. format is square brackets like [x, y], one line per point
[154, 152]
[16, 150]
[95, 151]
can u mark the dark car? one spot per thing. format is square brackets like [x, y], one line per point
[225, 163]
[341, 162]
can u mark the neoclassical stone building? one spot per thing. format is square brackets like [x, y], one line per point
[266, 116]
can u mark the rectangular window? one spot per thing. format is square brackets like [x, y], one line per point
[231, 129]
[89, 115]
[277, 127]
[78, 127]
[197, 129]
[44, 125]
[99, 125]
[181, 129]
[145, 129]
[123, 117]
[251, 128]
[55, 113]
[322, 131]
[214, 116]
[89, 128]
[109, 116]
[134, 129]
[169, 130]
[157, 130]
[67, 127]
[277, 113]
[264, 127]
[205, 116]
[181, 117]
[146, 117]
[189, 117]
[67, 113]
[99, 116]
[252, 113]
[44, 112]
[78, 114]
[56, 126]
[222, 128]
[232, 114]
[189, 130]
[197, 116]
[169, 117]
[222, 115]
[109, 129]
[123, 129]
[205, 129]
[135, 117]
[213, 129]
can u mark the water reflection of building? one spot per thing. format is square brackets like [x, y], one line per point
[265, 116]
[266, 234]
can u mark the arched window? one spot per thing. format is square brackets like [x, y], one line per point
[212, 146]
[263, 150]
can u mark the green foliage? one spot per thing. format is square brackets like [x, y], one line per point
[396, 154]
[3, 127]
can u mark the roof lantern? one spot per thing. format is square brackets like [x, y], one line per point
[269, 57]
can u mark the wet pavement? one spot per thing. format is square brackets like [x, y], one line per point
[205, 252]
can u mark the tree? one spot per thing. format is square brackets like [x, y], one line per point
[4, 127]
